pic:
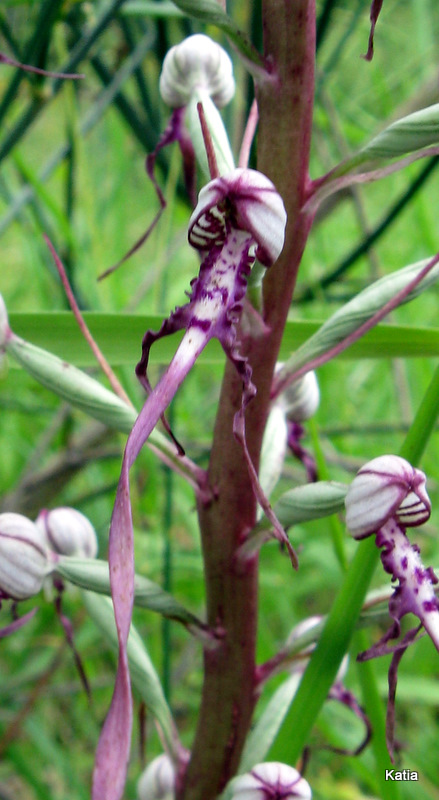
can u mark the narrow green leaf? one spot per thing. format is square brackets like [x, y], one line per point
[93, 575]
[414, 132]
[72, 385]
[150, 8]
[356, 312]
[311, 501]
[143, 673]
[119, 336]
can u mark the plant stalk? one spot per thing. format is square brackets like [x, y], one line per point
[228, 698]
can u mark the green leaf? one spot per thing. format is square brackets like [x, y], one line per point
[311, 501]
[143, 673]
[119, 336]
[72, 385]
[414, 132]
[93, 575]
[355, 313]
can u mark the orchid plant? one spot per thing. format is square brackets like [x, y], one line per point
[250, 226]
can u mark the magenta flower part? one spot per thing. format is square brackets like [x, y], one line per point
[229, 224]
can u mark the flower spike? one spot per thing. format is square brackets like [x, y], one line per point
[228, 226]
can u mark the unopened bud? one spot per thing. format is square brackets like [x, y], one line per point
[301, 399]
[274, 447]
[157, 782]
[23, 557]
[197, 63]
[387, 486]
[68, 532]
[271, 780]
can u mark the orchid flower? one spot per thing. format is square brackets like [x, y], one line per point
[239, 216]
[387, 496]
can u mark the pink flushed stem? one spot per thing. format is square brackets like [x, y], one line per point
[229, 688]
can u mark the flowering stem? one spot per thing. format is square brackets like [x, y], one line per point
[228, 696]
[342, 619]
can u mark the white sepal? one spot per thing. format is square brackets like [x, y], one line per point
[24, 561]
[68, 532]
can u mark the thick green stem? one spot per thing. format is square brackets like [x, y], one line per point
[285, 105]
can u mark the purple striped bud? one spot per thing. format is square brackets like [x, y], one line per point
[386, 487]
[271, 781]
[24, 561]
[68, 532]
[245, 200]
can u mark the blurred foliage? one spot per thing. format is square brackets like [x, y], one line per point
[72, 165]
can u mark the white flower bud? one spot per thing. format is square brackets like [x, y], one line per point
[68, 532]
[386, 487]
[157, 782]
[301, 399]
[197, 63]
[274, 447]
[23, 557]
[270, 780]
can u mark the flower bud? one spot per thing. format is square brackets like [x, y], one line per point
[68, 532]
[387, 486]
[254, 205]
[274, 447]
[269, 781]
[301, 399]
[23, 557]
[196, 63]
[157, 781]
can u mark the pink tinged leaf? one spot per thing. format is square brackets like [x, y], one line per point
[114, 744]
[29, 68]
[17, 623]
[375, 9]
